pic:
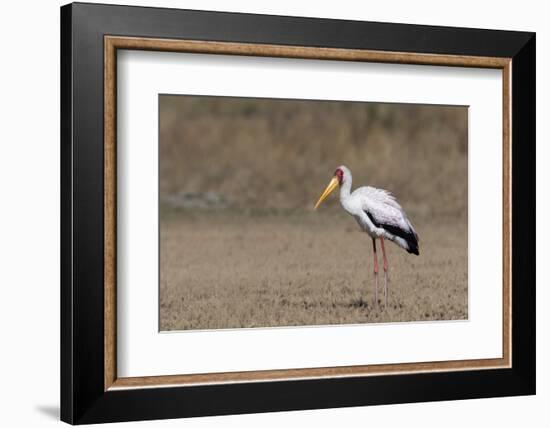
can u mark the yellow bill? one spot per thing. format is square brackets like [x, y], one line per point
[331, 186]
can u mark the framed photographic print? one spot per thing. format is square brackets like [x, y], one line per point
[265, 213]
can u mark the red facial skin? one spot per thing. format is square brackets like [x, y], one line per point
[340, 175]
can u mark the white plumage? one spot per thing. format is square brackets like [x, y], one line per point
[379, 214]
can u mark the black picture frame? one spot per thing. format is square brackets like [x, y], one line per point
[83, 398]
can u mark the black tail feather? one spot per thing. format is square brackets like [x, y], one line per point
[413, 247]
[409, 236]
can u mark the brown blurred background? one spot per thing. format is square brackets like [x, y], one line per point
[237, 171]
[278, 154]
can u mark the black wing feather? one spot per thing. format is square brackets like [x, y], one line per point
[408, 235]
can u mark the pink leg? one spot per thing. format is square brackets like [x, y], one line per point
[375, 271]
[385, 273]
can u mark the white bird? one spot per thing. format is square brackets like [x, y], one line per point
[379, 214]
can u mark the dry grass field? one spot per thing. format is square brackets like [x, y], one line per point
[240, 245]
[224, 271]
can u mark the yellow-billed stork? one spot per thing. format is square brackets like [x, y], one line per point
[379, 214]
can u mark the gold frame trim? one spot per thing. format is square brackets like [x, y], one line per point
[112, 43]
